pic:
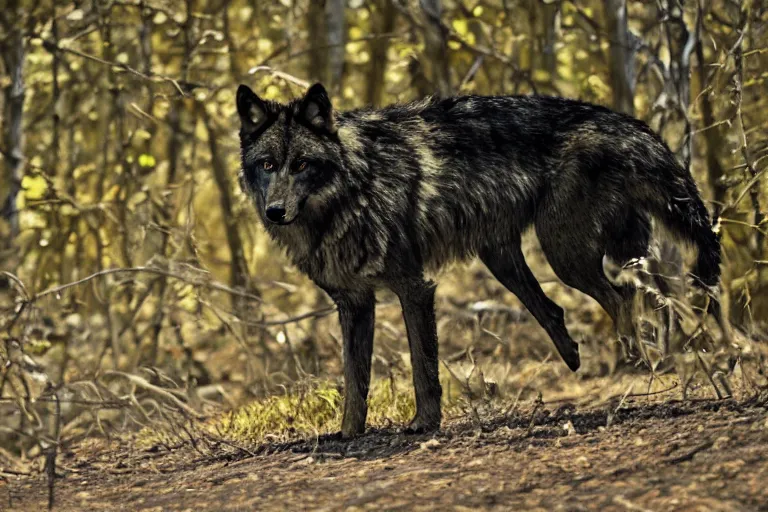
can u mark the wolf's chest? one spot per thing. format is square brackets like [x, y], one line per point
[349, 260]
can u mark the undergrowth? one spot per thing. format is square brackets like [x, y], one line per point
[310, 408]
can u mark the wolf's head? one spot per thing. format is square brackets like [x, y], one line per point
[290, 153]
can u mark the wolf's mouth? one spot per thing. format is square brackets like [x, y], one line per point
[283, 222]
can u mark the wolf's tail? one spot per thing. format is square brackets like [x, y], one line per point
[679, 206]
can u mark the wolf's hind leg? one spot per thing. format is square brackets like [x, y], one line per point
[417, 299]
[579, 264]
[629, 237]
[508, 265]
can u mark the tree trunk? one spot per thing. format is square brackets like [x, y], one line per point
[317, 36]
[681, 42]
[712, 134]
[385, 23]
[238, 267]
[13, 113]
[622, 56]
[550, 38]
[336, 38]
[435, 47]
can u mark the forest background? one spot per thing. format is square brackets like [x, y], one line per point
[138, 289]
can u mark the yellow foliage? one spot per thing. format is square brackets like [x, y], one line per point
[111, 194]
[272, 92]
[142, 134]
[146, 160]
[460, 26]
[664, 55]
[264, 45]
[541, 75]
[34, 186]
[597, 87]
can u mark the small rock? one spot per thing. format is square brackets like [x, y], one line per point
[432, 444]
[583, 461]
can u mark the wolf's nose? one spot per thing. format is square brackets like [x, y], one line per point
[276, 213]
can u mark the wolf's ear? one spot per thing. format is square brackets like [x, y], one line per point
[252, 110]
[316, 109]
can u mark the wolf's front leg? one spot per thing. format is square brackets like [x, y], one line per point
[418, 302]
[356, 314]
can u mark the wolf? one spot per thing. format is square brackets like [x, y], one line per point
[381, 198]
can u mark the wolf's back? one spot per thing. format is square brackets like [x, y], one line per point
[618, 151]
[477, 167]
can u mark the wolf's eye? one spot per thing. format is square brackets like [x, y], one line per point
[267, 165]
[299, 166]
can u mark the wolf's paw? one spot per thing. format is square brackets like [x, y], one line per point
[352, 431]
[352, 426]
[353, 420]
[570, 354]
[423, 425]
[350, 434]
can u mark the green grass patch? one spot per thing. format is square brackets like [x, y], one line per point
[314, 408]
[307, 409]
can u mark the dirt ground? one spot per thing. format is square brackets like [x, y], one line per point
[646, 455]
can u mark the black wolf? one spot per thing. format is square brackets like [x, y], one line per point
[378, 198]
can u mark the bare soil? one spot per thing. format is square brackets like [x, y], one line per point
[708, 455]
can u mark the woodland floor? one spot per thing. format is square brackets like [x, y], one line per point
[653, 455]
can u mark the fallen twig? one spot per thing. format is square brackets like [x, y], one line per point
[690, 453]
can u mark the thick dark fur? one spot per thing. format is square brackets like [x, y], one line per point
[377, 198]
